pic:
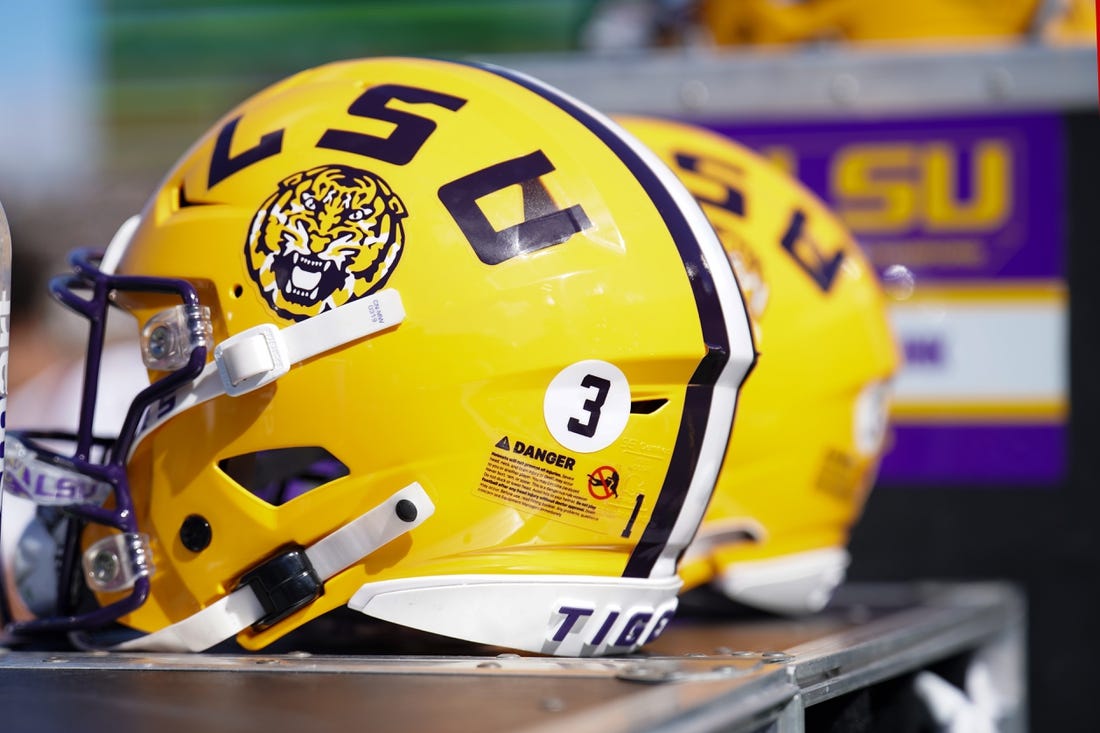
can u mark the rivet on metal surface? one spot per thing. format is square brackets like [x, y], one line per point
[859, 614]
[643, 673]
[775, 657]
[1000, 83]
[489, 665]
[844, 89]
[665, 671]
[694, 94]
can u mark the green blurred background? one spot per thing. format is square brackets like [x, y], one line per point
[100, 98]
[172, 65]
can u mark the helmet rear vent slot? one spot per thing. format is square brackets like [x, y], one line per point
[647, 407]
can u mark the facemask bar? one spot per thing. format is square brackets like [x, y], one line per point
[110, 468]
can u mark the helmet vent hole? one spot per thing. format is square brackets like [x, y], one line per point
[238, 290]
[646, 407]
[282, 474]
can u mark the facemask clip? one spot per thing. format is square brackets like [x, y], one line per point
[115, 562]
[170, 336]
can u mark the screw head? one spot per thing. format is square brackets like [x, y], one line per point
[105, 566]
[159, 341]
[405, 510]
[195, 533]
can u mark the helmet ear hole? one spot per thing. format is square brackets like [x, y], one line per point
[238, 290]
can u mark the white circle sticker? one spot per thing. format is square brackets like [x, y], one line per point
[587, 405]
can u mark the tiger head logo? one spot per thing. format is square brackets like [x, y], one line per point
[327, 236]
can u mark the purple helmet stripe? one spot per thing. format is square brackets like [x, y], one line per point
[697, 404]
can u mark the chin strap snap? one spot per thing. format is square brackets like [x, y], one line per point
[259, 355]
[291, 579]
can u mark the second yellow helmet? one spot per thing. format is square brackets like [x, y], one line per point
[811, 423]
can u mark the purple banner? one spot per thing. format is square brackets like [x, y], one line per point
[950, 198]
[973, 455]
[974, 208]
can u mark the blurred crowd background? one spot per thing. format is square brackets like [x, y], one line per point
[98, 98]
[101, 96]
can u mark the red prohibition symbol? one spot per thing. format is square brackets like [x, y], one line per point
[603, 483]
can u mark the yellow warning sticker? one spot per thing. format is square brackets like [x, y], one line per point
[560, 486]
[540, 488]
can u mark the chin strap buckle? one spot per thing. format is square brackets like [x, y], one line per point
[291, 579]
[283, 584]
[261, 354]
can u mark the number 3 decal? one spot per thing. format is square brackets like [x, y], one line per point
[592, 406]
[587, 405]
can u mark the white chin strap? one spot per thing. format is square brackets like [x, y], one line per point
[330, 555]
[259, 355]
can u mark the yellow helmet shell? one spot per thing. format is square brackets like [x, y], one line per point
[811, 422]
[561, 386]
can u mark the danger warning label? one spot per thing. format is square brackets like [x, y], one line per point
[520, 474]
[560, 460]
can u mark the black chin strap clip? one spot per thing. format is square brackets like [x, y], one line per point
[283, 584]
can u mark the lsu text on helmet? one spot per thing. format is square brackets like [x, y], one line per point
[429, 339]
[812, 418]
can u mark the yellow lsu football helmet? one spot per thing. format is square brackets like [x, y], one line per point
[429, 339]
[812, 419]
